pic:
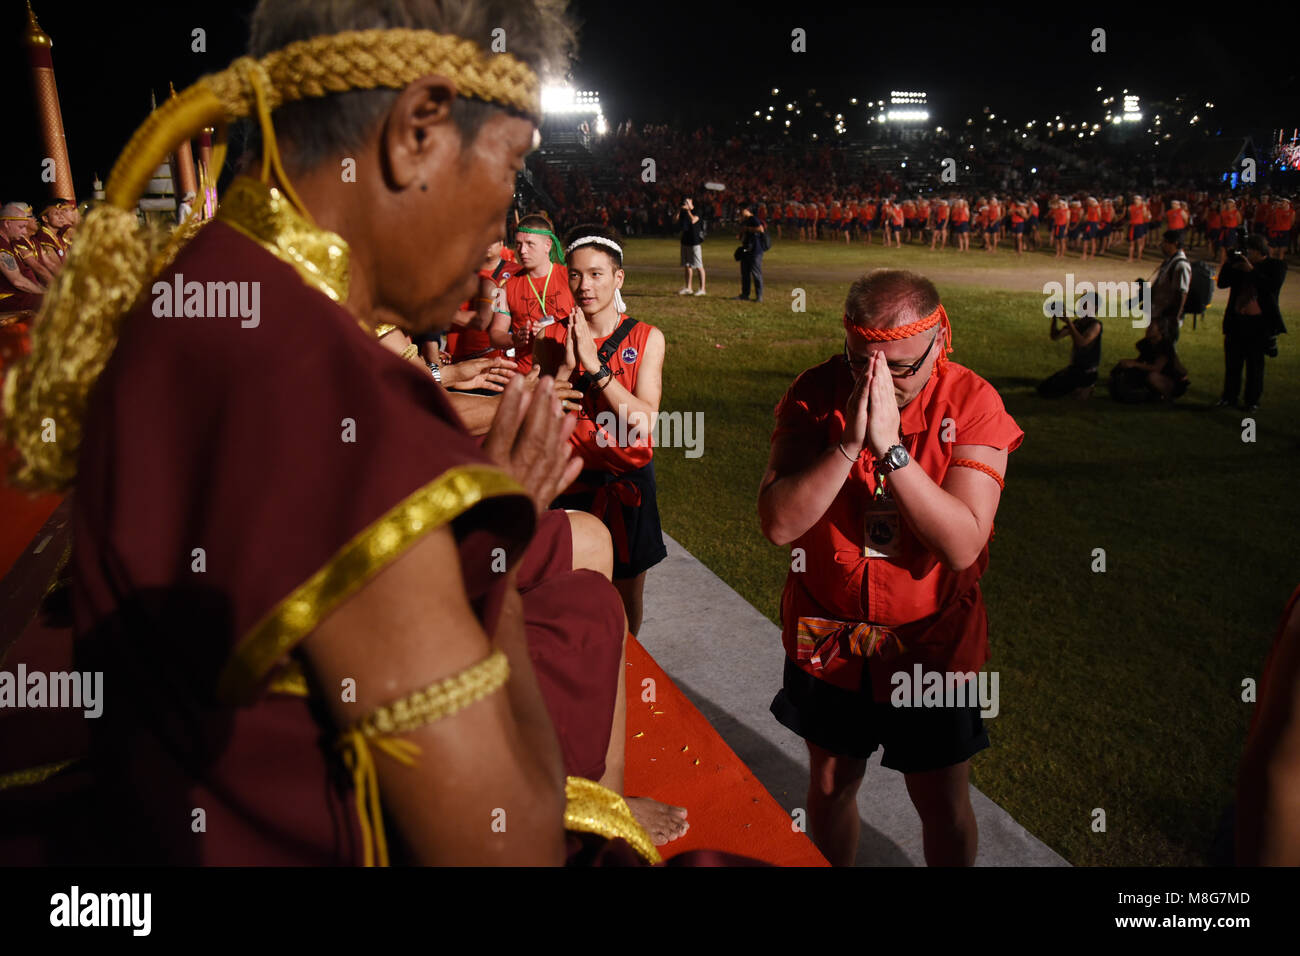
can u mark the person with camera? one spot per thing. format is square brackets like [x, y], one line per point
[754, 242]
[692, 227]
[1078, 378]
[1252, 319]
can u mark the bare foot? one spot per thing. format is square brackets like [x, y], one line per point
[664, 823]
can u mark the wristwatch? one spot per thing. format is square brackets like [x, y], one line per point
[603, 375]
[892, 460]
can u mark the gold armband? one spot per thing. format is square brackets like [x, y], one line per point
[411, 352]
[440, 699]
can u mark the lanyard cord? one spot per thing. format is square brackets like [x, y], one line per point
[541, 299]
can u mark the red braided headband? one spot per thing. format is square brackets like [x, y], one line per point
[937, 317]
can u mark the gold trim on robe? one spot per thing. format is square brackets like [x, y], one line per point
[591, 808]
[265, 215]
[373, 549]
[33, 775]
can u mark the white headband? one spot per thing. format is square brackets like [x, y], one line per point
[600, 240]
[619, 304]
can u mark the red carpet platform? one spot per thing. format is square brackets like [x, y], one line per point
[674, 755]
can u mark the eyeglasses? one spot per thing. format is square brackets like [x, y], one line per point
[896, 369]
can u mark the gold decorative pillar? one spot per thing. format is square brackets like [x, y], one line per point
[184, 159]
[47, 107]
[205, 173]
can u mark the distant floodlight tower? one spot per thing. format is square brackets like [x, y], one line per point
[907, 111]
[48, 112]
[566, 111]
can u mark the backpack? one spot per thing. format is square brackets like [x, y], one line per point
[1201, 290]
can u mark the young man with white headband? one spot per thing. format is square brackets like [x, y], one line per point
[885, 474]
[618, 362]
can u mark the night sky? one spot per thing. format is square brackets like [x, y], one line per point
[692, 63]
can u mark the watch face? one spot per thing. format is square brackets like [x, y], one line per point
[897, 456]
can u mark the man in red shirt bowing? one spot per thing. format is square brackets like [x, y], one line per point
[885, 474]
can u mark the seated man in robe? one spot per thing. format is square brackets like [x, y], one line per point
[260, 497]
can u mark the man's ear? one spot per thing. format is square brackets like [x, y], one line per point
[417, 127]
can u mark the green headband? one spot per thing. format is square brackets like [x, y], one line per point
[556, 255]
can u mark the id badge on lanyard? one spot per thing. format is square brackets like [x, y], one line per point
[881, 523]
[881, 526]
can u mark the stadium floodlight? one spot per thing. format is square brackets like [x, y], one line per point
[775, 91]
[1117, 120]
[854, 101]
[1132, 117]
[565, 99]
[905, 116]
[602, 127]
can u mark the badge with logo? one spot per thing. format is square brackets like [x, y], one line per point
[881, 528]
[628, 354]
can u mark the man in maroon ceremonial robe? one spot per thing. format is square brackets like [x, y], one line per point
[263, 491]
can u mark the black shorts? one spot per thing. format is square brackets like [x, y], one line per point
[645, 537]
[852, 724]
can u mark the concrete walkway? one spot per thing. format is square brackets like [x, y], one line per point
[727, 658]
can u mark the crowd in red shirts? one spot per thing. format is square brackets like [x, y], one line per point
[835, 192]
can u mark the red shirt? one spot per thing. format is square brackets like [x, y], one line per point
[462, 342]
[524, 296]
[605, 453]
[1137, 214]
[1231, 218]
[938, 614]
[961, 214]
[1060, 217]
[1177, 219]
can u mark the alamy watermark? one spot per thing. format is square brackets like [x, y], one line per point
[56, 689]
[208, 300]
[629, 429]
[923, 688]
[75, 908]
[1099, 300]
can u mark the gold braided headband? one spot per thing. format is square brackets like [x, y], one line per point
[107, 269]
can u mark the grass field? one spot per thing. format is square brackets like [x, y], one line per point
[1119, 690]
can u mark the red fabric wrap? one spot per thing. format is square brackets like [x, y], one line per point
[605, 506]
